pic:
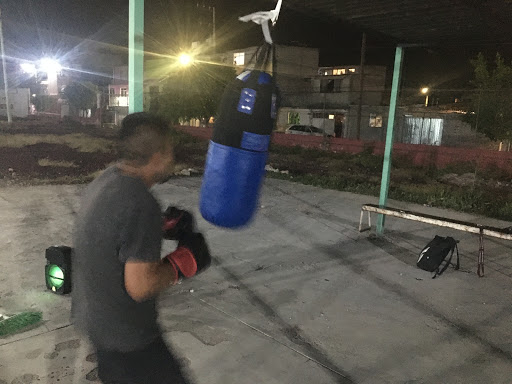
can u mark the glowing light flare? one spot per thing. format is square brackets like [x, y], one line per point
[185, 59]
[49, 66]
[29, 68]
[425, 90]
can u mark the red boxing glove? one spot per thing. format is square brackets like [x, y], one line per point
[191, 257]
[176, 223]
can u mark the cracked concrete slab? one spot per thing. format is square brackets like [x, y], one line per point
[299, 296]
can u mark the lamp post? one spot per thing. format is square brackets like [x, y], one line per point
[425, 91]
[6, 86]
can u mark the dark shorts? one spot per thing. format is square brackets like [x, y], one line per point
[154, 364]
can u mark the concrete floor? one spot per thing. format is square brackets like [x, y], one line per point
[297, 297]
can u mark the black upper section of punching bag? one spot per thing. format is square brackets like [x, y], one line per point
[249, 104]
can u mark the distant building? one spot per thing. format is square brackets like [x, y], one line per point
[118, 94]
[295, 65]
[329, 99]
[118, 90]
[19, 102]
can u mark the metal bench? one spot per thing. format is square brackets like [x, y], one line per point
[480, 230]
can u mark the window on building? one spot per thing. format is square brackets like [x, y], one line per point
[293, 118]
[326, 86]
[338, 72]
[112, 91]
[352, 70]
[239, 58]
[331, 117]
[327, 72]
[375, 120]
[124, 92]
[330, 86]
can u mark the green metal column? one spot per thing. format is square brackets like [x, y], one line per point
[386, 170]
[136, 57]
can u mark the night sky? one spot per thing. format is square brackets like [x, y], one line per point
[36, 28]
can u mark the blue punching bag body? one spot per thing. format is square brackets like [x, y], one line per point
[238, 151]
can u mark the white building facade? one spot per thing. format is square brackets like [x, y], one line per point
[19, 102]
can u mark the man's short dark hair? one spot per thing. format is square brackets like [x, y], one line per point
[142, 135]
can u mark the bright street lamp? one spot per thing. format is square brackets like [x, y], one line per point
[425, 91]
[52, 68]
[185, 59]
[49, 66]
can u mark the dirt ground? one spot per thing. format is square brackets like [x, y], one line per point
[24, 164]
[51, 151]
[46, 151]
[40, 150]
[55, 126]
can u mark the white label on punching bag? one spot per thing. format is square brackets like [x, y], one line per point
[247, 101]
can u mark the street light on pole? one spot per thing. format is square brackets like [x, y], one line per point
[185, 59]
[425, 91]
[6, 85]
[49, 65]
[52, 68]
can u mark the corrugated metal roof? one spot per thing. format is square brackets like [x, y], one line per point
[420, 21]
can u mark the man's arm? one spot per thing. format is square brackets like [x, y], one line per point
[145, 280]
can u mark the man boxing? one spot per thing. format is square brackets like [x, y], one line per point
[117, 266]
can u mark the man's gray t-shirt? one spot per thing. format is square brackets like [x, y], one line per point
[119, 220]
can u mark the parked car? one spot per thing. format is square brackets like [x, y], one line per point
[304, 130]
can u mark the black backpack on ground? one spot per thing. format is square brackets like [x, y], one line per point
[435, 252]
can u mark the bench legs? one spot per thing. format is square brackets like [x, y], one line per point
[361, 229]
[480, 270]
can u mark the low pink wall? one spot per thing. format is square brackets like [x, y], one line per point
[421, 155]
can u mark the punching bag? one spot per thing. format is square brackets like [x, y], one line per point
[238, 151]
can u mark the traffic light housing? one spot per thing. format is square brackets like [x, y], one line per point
[58, 269]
